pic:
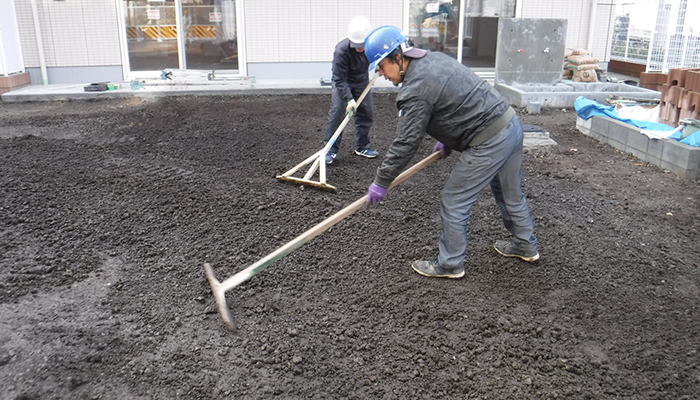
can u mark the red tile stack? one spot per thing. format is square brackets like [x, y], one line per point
[680, 95]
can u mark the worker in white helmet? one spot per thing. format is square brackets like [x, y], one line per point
[350, 78]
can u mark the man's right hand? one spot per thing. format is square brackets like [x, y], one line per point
[444, 151]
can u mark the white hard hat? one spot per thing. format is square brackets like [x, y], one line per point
[358, 29]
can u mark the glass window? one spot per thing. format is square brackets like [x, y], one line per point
[211, 40]
[481, 31]
[206, 30]
[151, 34]
[434, 25]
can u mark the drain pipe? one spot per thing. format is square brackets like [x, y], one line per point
[591, 25]
[39, 44]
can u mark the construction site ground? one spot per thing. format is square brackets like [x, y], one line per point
[109, 209]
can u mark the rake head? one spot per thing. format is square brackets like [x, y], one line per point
[220, 296]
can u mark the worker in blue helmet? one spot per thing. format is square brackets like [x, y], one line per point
[349, 79]
[443, 98]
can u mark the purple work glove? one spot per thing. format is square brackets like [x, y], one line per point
[375, 194]
[445, 151]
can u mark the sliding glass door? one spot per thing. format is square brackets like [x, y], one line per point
[210, 34]
[181, 34]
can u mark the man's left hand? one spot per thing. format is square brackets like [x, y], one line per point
[375, 194]
[352, 107]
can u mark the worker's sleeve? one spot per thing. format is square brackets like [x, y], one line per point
[341, 69]
[413, 121]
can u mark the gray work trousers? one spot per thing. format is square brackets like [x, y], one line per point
[496, 162]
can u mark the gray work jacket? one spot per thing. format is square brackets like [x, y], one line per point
[443, 98]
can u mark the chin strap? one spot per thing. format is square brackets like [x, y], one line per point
[405, 46]
[402, 73]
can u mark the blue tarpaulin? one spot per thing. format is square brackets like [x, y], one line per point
[692, 139]
[586, 108]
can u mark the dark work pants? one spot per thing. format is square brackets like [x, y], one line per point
[363, 118]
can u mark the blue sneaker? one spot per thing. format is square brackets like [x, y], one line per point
[330, 156]
[369, 153]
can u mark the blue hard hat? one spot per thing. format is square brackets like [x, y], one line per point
[381, 42]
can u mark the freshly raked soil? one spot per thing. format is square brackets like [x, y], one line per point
[109, 209]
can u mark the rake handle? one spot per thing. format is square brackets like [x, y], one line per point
[220, 288]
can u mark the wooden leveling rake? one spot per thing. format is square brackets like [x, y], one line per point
[317, 160]
[219, 289]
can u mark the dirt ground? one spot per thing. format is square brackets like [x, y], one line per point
[109, 209]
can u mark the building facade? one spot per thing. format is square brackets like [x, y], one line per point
[78, 41]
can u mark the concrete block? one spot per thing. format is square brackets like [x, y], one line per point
[681, 154]
[655, 148]
[584, 125]
[675, 169]
[599, 137]
[681, 159]
[537, 140]
[617, 145]
[600, 124]
[618, 130]
[653, 160]
[637, 144]
[519, 56]
[642, 156]
[606, 130]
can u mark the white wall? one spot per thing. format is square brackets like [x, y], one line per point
[75, 32]
[11, 61]
[290, 33]
[578, 16]
[308, 30]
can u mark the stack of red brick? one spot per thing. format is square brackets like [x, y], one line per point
[680, 95]
[652, 80]
[15, 81]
